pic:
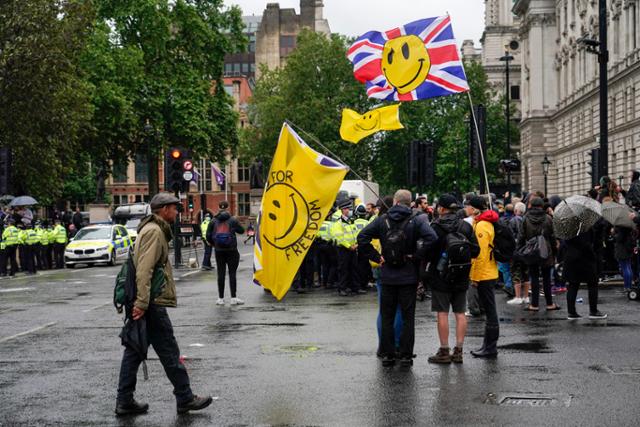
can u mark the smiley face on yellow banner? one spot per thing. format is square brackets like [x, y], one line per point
[356, 126]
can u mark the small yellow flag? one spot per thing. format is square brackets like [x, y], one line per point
[356, 126]
[301, 188]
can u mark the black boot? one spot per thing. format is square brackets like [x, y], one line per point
[131, 408]
[489, 348]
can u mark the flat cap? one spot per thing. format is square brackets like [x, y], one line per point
[163, 199]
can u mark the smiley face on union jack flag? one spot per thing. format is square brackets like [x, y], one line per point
[416, 61]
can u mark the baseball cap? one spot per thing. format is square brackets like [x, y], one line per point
[478, 202]
[448, 201]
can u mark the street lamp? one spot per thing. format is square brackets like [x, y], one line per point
[545, 171]
[599, 47]
[506, 58]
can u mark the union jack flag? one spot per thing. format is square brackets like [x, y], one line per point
[446, 75]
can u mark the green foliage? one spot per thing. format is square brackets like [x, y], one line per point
[317, 83]
[43, 98]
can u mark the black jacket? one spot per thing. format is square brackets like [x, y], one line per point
[420, 236]
[625, 243]
[536, 222]
[580, 261]
[234, 228]
[444, 225]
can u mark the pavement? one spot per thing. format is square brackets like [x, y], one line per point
[308, 360]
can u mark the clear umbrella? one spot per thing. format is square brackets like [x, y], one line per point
[575, 215]
[23, 201]
[618, 214]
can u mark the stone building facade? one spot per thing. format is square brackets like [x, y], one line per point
[279, 28]
[560, 102]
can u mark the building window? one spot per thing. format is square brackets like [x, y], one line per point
[142, 168]
[244, 174]
[236, 67]
[244, 204]
[515, 93]
[138, 198]
[120, 171]
[228, 89]
[245, 67]
[228, 68]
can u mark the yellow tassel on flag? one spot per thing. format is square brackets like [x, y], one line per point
[301, 188]
[358, 126]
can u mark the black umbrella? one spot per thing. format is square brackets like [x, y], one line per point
[134, 336]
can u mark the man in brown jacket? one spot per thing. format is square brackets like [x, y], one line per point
[152, 249]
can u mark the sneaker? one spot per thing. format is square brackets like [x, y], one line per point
[456, 357]
[574, 317]
[343, 293]
[442, 356]
[220, 301]
[597, 315]
[468, 313]
[236, 301]
[131, 408]
[388, 361]
[526, 300]
[515, 301]
[196, 404]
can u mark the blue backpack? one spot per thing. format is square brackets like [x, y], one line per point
[223, 238]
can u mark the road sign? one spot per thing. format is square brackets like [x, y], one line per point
[187, 176]
[187, 165]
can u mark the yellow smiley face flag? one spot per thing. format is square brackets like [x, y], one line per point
[357, 126]
[301, 188]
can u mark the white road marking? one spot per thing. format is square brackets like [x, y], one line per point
[191, 273]
[30, 331]
[96, 307]
[196, 345]
[15, 290]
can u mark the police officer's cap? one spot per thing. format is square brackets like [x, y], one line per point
[163, 199]
[361, 210]
[344, 204]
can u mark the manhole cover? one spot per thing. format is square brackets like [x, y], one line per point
[624, 370]
[532, 400]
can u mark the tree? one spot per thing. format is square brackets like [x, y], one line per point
[43, 97]
[160, 62]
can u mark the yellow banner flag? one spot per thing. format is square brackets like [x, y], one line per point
[301, 188]
[356, 126]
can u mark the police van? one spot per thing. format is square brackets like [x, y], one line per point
[130, 215]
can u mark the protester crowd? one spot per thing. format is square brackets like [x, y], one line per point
[458, 251]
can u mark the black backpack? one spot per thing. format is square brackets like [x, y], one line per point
[455, 263]
[394, 248]
[504, 243]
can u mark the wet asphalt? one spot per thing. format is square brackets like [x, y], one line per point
[308, 360]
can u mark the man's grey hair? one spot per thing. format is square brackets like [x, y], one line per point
[520, 208]
[402, 197]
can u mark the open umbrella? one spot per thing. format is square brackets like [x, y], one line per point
[575, 215]
[617, 214]
[23, 201]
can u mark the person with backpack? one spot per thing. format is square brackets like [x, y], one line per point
[484, 273]
[541, 259]
[221, 235]
[404, 240]
[448, 273]
[519, 271]
[151, 250]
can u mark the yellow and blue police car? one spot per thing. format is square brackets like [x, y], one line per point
[96, 244]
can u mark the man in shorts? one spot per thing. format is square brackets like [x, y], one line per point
[449, 279]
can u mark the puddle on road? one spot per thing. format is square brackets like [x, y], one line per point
[527, 347]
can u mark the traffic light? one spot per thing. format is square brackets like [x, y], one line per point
[178, 170]
[190, 203]
[421, 164]
[595, 164]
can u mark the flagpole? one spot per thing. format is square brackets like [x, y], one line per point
[226, 184]
[316, 140]
[484, 165]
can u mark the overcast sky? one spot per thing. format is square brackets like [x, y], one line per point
[355, 17]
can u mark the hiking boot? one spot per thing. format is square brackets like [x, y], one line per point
[131, 408]
[456, 357]
[442, 356]
[196, 404]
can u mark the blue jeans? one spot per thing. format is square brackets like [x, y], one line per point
[397, 324]
[505, 269]
[627, 272]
